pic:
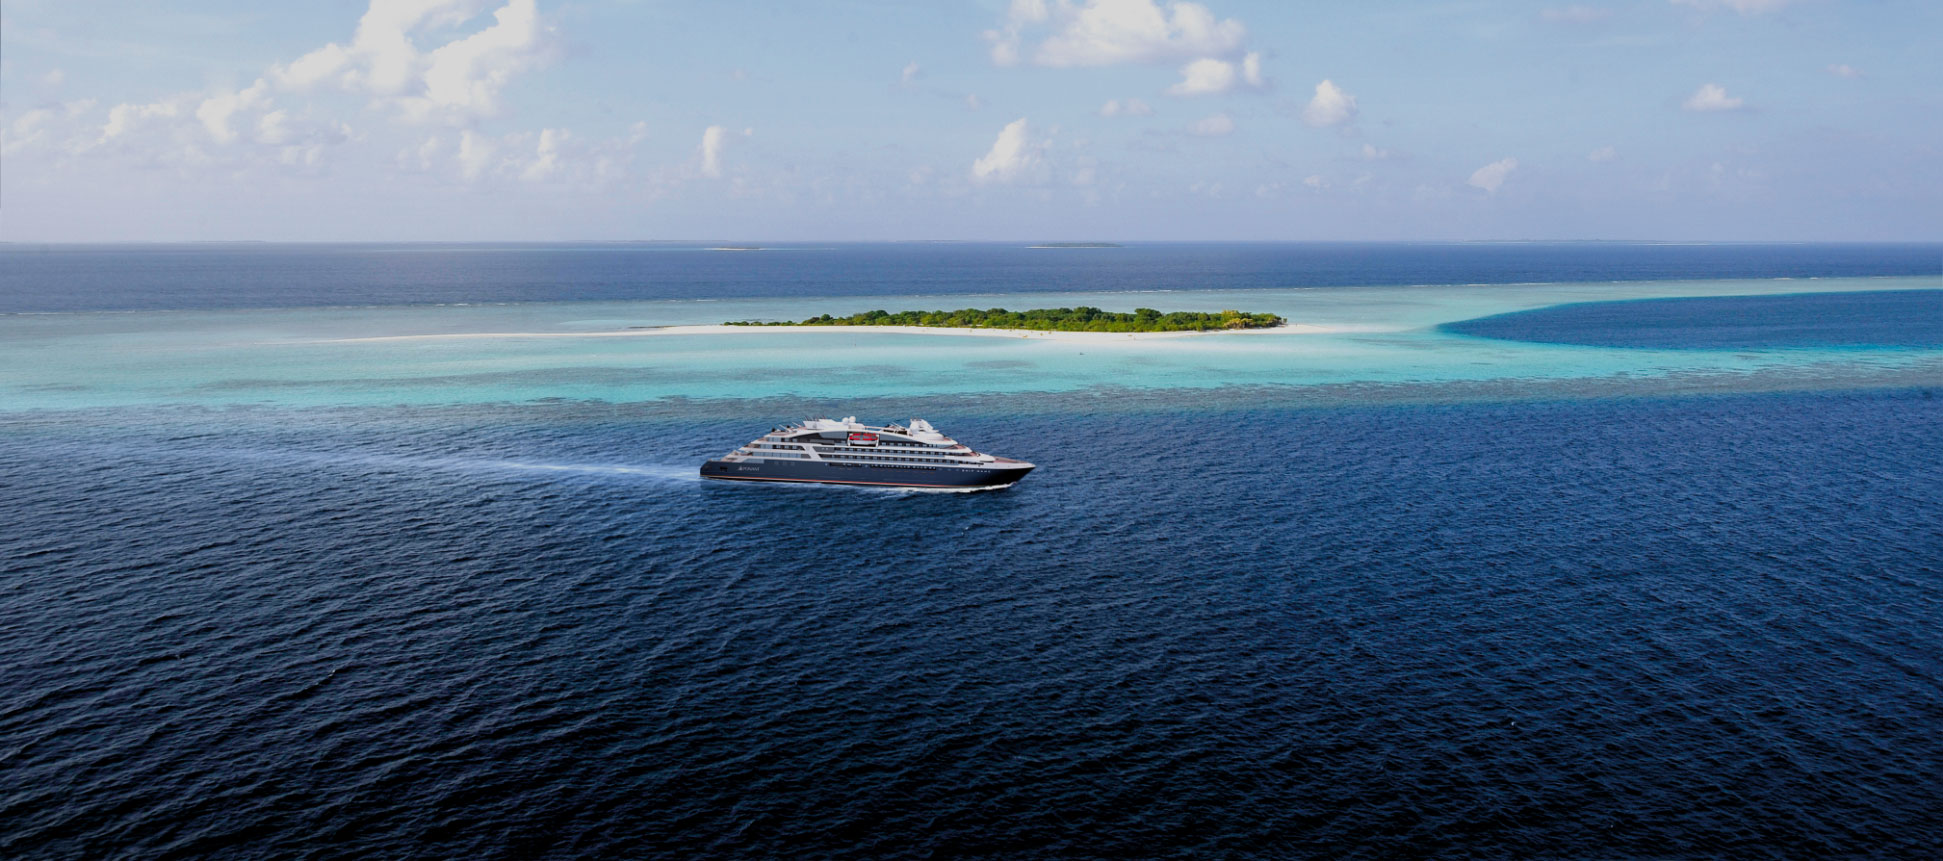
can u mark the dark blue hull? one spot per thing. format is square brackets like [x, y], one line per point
[864, 474]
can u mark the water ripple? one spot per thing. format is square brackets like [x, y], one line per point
[1619, 628]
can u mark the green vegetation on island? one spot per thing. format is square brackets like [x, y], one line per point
[1081, 319]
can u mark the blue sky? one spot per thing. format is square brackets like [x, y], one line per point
[1036, 119]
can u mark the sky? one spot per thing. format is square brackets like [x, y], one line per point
[509, 120]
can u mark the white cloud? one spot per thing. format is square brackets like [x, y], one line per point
[973, 102]
[1372, 152]
[1712, 97]
[475, 154]
[178, 130]
[53, 78]
[461, 78]
[1330, 107]
[1086, 173]
[1203, 77]
[1315, 181]
[1491, 176]
[244, 126]
[125, 118]
[1012, 155]
[1018, 16]
[546, 156]
[1745, 7]
[313, 68]
[1210, 76]
[1844, 70]
[30, 128]
[215, 112]
[304, 156]
[1111, 32]
[1577, 14]
[713, 139]
[553, 156]
[910, 74]
[1214, 126]
[1126, 108]
[424, 59]
[273, 128]
[1604, 153]
[31, 121]
[427, 153]
[466, 75]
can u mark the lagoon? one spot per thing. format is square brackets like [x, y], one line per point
[637, 351]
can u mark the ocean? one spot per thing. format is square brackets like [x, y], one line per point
[1560, 550]
[268, 275]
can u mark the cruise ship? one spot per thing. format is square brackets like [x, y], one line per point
[830, 451]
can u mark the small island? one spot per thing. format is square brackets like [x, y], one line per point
[1081, 319]
[1077, 245]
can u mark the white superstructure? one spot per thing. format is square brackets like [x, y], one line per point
[834, 450]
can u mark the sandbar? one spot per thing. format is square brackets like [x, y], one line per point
[652, 331]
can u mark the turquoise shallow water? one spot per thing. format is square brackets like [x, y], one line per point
[608, 351]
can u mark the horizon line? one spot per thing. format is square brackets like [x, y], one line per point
[1060, 244]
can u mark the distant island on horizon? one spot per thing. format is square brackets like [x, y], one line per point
[1081, 319]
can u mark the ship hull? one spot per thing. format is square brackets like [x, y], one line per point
[865, 474]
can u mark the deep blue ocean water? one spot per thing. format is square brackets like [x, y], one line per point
[202, 276]
[1505, 620]
[1609, 628]
[1878, 319]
